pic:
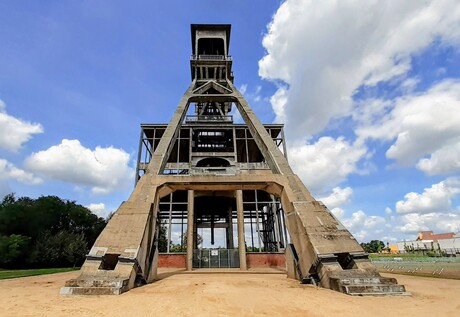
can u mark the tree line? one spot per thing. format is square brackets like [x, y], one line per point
[374, 246]
[45, 232]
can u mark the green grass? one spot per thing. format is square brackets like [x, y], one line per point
[5, 274]
[402, 255]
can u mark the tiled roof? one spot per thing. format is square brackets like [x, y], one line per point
[428, 235]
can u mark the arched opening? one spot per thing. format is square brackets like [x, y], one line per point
[213, 162]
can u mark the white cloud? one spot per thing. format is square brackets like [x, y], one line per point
[243, 88]
[325, 50]
[421, 124]
[437, 198]
[252, 96]
[337, 198]
[430, 210]
[103, 169]
[361, 225]
[325, 163]
[9, 171]
[15, 132]
[435, 221]
[338, 212]
[445, 160]
[409, 84]
[278, 101]
[98, 209]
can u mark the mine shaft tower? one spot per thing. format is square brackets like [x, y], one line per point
[215, 190]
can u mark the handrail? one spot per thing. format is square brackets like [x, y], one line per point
[211, 57]
[207, 118]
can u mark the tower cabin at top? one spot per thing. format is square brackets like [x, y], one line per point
[210, 59]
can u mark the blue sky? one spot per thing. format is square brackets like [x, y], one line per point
[369, 93]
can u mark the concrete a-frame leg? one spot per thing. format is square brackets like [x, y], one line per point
[325, 252]
[125, 253]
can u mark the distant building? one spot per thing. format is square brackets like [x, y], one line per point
[448, 243]
[430, 236]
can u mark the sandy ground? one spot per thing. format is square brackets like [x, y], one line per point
[226, 294]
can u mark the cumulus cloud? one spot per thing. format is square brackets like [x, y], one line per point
[445, 160]
[338, 212]
[98, 209]
[361, 224]
[435, 221]
[15, 132]
[430, 210]
[437, 198]
[324, 51]
[10, 171]
[420, 124]
[103, 169]
[325, 163]
[337, 198]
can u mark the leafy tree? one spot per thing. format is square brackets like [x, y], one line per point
[47, 231]
[375, 246]
[162, 239]
[199, 240]
[8, 200]
[13, 250]
[76, 250]
[62, 249]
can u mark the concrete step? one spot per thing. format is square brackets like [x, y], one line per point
[90, 290]
[367, 285]
[368, 280]
[94, 287]
[374, 289]
[95, 283]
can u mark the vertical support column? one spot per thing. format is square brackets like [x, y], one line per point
[240, 221]
[230, 228]
[258, 222]
[190, 228]
[277, 225]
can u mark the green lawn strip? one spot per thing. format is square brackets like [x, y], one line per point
[5, 274]
[403, 255]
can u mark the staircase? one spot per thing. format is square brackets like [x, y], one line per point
[367, 286]
[94, 287]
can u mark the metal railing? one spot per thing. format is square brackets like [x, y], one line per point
[208, 118]
[213, 171]
[254, 166]
[211, 58]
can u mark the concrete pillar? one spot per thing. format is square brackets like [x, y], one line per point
[190, 228]
[230, 229]
[240, 222]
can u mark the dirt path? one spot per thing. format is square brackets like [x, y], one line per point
[222, 294]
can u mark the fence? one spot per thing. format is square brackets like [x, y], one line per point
[448, 267]
[216, 258]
